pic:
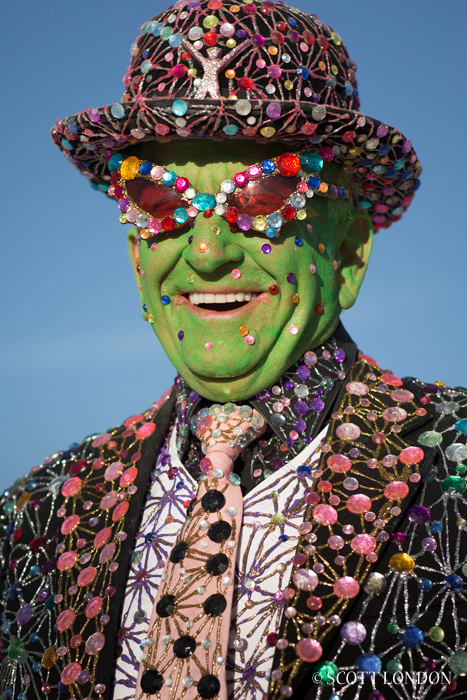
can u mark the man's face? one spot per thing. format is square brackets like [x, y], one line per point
[269, 300]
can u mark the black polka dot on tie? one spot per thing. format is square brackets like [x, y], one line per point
[184, 646]
[165, 606]
[212, 500]
[151, 682]
[178, 552]
[215, 605]
[220, 531]
[208, 687]
[217, 564]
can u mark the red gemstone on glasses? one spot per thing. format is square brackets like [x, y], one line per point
[241, 179]
[168, 223]
[119, 191]
[288, 164]
[288, 212]
[231, 214]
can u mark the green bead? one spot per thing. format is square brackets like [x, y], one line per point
[278, 519]
[454, 483]
[9, 508]
[393, 628]
[394, 666]
[436, 634]
[15, 649]
[430, 438]
[461, 469]
[457, 662]
[327, 671]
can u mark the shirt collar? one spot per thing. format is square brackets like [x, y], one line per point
[297, 405]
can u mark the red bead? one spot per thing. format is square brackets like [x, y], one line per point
[207, 214]
[245, 83]
[271, 639]
[288, 164]
[274, 289]
[288, 212]
[319, 309]
[168, 223]
[186, 56]
[281, 26]
[231, 214]
[233, 228]
[210, 39]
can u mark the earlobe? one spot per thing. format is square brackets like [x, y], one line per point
[354, 255]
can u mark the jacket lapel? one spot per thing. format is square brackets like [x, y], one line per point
[369, 474]
[94, 558]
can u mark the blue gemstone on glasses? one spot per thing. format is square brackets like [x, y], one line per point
[145, 168]
[267, 166]
[275, 220]
[180, 215]
[311, 161]
[204, 201]
[168, 178]
[313, 182]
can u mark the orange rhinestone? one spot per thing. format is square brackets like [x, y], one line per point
[272, 50]
[323, 187]
[203, 247]
[321, 247]
[230, 73]
[296, 299]
[144, 233]
[169, 519]
[322, 65]
[243, 330]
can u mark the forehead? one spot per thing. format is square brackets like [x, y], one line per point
[203, 153]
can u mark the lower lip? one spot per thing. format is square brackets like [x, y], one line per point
[210, 315]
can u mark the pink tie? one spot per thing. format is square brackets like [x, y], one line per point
[186, 649]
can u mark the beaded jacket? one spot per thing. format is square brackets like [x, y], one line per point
[385, 528]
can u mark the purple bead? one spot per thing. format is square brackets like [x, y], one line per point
[288, 385]
[180, 335]
[257, 40]
[430, 389]
[248, 673]
[263, 396]
[317, 405]
[266, 248]
[291, 277]
[299, 425]
[303, 373]
[123, 203]
[274, 109]
[194, 396]
[241, 33]
[301, 409]
[418, 514]
[339, 354]
[353, 632]
[42, 594]
[289, 443]
[24, 614]
[276, 463]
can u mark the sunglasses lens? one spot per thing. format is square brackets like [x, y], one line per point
[156, 200]
[263, 197]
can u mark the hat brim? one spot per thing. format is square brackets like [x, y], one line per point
[381, 160]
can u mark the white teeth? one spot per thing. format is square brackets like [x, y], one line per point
[198, 298]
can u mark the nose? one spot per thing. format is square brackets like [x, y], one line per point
[213, 245]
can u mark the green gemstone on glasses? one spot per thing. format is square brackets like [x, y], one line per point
[311, 161]
[203, 202]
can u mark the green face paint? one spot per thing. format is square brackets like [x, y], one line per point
[233, 310]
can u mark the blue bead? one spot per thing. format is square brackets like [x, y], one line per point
[180, 215]
[67, 145]
[368, 664]
[165, 299]
[283, 538]
[35, 570]
[71, 125]
[313, 182]
[36, 667]
[230, 129]
[175, 40]
[275, 220]
[303, 469]
[117, 111]
[33, 637]
[115, 162]
[14, 591]
[50, 603]
[169, 177]
[149, 537]
[268, 166]
[155, 28]
[145, 168]
[461, 426]
[8, 692]
[303, 72]
[204, 201]
[271, 232]
[62, 688]
[292, 21]
[436, 526]
[411, 636]
[298, 241]
[311, 162]
[348, 88]
[32, 485]
[425, 584]
[453, 582]
[145, 308]
[179, 108]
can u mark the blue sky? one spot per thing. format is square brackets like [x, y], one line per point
[75, 355]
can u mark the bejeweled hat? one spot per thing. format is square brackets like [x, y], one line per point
[260, 70]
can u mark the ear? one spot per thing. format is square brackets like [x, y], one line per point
[133, 250]
[354, 253]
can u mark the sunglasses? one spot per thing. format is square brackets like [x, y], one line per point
[261, 198]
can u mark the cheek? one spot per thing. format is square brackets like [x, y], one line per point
[157, 260]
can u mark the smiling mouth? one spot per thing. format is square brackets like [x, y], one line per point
[221, 302]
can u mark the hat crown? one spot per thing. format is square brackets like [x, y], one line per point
[268, 51]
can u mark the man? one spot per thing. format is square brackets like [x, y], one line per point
[133, 566]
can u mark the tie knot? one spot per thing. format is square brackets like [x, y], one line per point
[225, 431]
